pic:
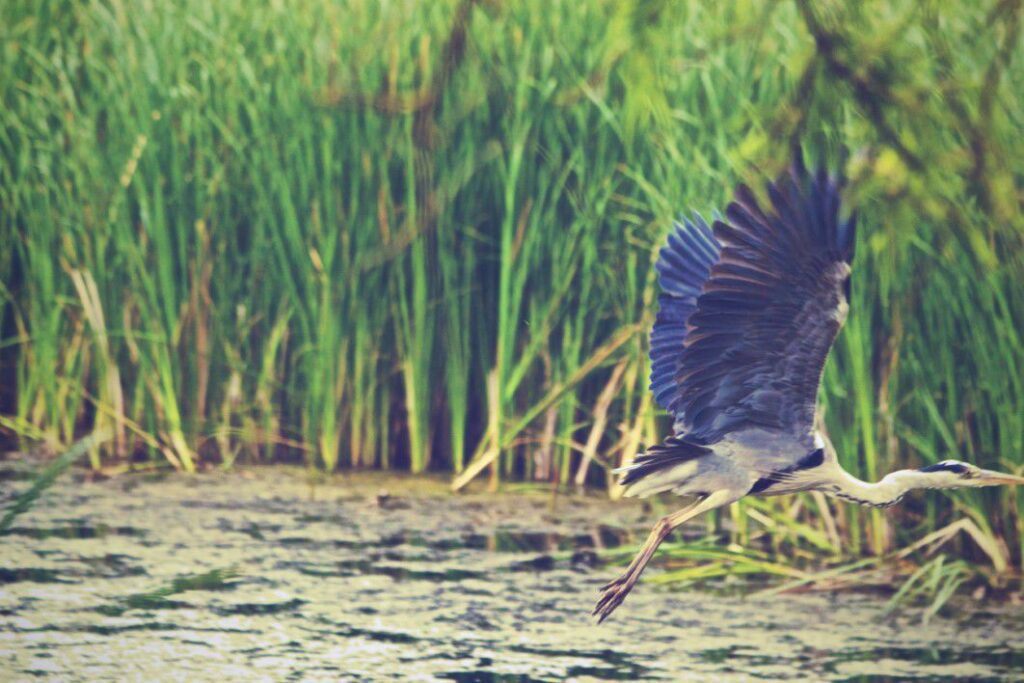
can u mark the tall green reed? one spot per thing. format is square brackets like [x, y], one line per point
[367, 234]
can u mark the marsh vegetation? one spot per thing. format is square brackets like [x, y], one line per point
[419, 236]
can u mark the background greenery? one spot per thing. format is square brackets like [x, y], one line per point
[420, 235]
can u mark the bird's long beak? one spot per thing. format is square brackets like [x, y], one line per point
[992, 478]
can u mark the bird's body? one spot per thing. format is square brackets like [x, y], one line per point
[748, 313]
[754, 459]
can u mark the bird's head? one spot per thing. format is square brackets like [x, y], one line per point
[950, 474]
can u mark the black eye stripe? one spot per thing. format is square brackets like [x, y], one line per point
[954, 467]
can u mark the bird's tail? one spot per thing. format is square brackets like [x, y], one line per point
[661, 468]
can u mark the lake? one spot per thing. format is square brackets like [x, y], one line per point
[373, 577]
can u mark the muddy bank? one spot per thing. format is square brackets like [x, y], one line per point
[335, 581]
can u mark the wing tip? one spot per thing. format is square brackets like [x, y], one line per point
[824, 188]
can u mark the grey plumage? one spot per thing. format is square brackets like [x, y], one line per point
[753, 305]
[749, 309]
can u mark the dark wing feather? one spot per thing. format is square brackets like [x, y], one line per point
[683, 266]
[756, 344]
[674, 451]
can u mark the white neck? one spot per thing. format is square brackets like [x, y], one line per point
[889, 491]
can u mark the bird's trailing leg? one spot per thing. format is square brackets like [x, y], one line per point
[615, 592]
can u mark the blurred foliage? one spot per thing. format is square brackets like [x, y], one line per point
[46, 478]
[213, 580]
[416, 235]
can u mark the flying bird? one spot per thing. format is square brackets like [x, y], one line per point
[748, 312]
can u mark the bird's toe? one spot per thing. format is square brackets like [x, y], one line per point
[612, 596]
[611, 584]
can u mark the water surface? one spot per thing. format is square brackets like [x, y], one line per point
[336, 582]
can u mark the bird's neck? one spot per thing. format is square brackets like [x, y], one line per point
[889, 491]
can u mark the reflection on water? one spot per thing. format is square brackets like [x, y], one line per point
[223, 576]
[76, 529]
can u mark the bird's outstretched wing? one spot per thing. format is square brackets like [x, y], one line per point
[753, 349]
[683, 266]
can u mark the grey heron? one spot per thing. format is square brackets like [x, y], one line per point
[748, 312]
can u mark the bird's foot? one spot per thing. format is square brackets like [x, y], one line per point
[612, 595]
